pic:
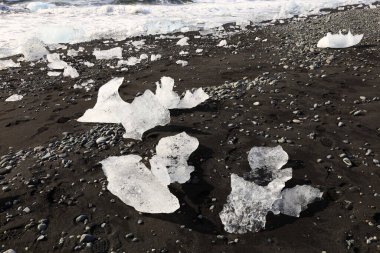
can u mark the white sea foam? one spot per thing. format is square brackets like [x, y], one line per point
[70, 24]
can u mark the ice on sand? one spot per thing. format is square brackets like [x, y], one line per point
[169, 164]
[4, 64]
[222, 43]
[144, 113]
[182, 63]
[183, 42]
[250, 200]
[131, 181]
[170, 99]
[14, 98]
[34, 49]
[339, 40]
[147, 190]
[294, 200]
[55, 63]
[113, 53]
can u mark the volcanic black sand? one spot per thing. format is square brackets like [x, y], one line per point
[271, 86]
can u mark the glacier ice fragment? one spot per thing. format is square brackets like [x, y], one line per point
[339, 40]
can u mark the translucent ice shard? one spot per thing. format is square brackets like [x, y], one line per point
[191, 100]
[113, 53]
[183, 42]
[108, 105]
[56, 63]
[131, 181]
[294, 200]
[170, 99]
[169, 164]
[339, 40]
[144, 113]
[14, 98]
[248, 203]
[33, 49]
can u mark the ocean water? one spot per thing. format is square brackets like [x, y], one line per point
[71, 21]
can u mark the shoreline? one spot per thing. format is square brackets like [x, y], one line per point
[260, 87]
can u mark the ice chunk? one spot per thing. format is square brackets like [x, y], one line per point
[131, 181]
[171, 100]
[131, 61]
[71, 72]
[155, 57]
[54, 73]
[14, 98]
[87, 85]
[144, 113]
[222, 43]
[113, 53]
[266, 163]
[165, 93]
[191, 100]
[108, 104]
[248, 203]
[34, 49]
[182, 63]
[169, 164]
[183, 42]
[294, 200]
[339, 40]
[4, 64]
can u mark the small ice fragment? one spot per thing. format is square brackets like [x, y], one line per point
[182, 63]
[183, 42]
[191, 100]
[155, 57]
[113, 53]
[144, 57]
[4, 64]
[294, 200]
[131, 181]
[88, 64]
[54, 73]
[72, 52]
[131, 61]
[87, 85]
[339, 40]
[14, 98]
[199, 51]
[222, 43]
[71, 72]
[169, 164]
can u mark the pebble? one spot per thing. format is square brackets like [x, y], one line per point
[347, 162]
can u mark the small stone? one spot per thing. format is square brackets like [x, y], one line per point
[347, 162]
[85, 238]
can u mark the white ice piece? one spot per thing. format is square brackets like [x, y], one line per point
[248, 203]
[131, 61]
[14, 98]
[4, 64]
[339, 40]
[155, 57]
[182, 63]
[170, 99]
[144, 113]
[131, 181]
[183, 42]
[108, 105]
[169, 164]
[55, 63]
[71, 72]
[87, 85]
[296, 199]
[222, 43]
[191, 100]
[113, 53]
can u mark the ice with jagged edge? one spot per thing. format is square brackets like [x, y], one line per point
[294, 200]
[131, 181]
[33, 49]
[260, 192]
[339, 40]
[144, 113]
[113, 53]
[4, 64]
[169, 164]
[147, 190]
[170, 99]
[55, 63]
[14, 98]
